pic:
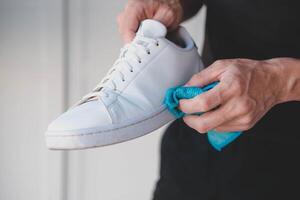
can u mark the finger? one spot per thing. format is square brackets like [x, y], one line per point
[193, 122]
[205, 101]
[165, 15]
[230, 128]
[210, 120]
[128, 28]
[208, 75]
[129, 23]
[128, 36]
[240, 123]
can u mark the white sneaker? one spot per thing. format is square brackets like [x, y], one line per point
[128, 102]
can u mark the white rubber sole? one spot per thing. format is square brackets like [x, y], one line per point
[68, 140]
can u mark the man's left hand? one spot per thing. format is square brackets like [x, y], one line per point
[247, 90]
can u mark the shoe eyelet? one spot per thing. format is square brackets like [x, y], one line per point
[140, 61]
[131, 70]
[123, 80]
[148, 52]
[157, 44]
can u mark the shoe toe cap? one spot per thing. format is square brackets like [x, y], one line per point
[87, 116]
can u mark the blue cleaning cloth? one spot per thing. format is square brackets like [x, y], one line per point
[173, 95]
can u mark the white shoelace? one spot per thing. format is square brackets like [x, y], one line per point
[129, 52]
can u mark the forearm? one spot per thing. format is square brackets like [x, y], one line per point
[288, 69]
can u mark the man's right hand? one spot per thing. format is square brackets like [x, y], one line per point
[168, 12]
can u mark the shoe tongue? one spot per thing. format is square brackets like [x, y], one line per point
[152, 29]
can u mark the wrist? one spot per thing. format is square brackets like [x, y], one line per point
[287, 77]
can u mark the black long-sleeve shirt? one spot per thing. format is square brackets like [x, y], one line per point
[258, 29]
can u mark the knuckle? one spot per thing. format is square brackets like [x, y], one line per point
[246, 107]
[222, 62]
[247, 127]
[247, 120]
[238, 85]
[240, 61]
[165, 7]
[235, 65]
[201, 127]
[170, 14]
[243, 110]
[250, 104]
[187, 106]
[183, 105]
[218, 62]
[203, 104]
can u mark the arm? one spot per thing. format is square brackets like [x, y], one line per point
[170, 12]
[290, 75]
[248, 89]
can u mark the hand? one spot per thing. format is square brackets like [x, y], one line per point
[168, 12]
[247, 90]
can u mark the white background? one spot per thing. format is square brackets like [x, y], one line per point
[51, 53]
